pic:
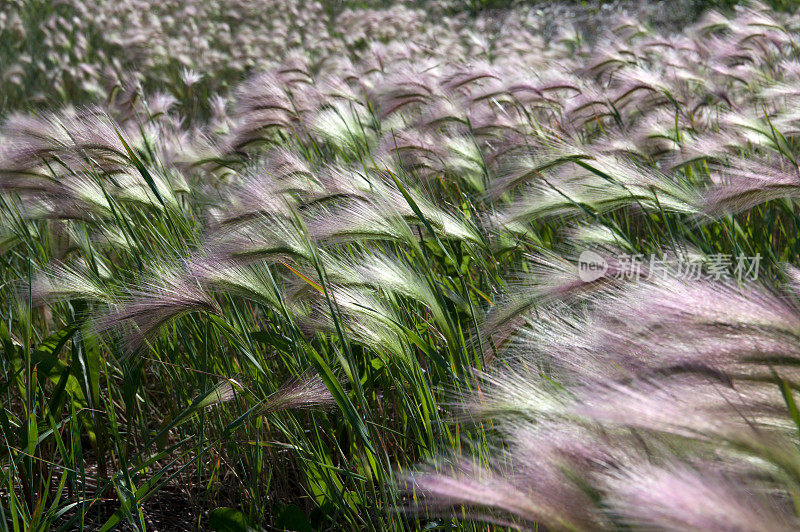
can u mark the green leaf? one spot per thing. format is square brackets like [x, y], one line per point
[788, 397]
[142, 169]
[53, 344]
[228, 520]
[293, 519]
[340, 396]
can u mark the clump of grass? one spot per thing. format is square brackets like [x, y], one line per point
[267, 298]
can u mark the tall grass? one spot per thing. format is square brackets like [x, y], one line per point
[268, 306]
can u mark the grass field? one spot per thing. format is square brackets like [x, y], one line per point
[357, 266]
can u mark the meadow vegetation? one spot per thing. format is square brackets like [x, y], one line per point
[313, 266]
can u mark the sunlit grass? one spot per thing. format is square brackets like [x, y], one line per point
[345, 292]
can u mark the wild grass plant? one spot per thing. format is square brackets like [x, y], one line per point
[346, 293]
